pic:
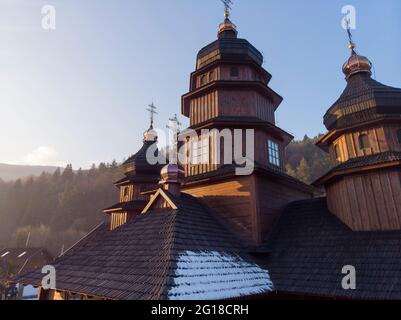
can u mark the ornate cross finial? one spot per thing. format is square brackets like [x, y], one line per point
[152, 110]
[227, 7]
[176, 125]
[175, 130]
[351, 45]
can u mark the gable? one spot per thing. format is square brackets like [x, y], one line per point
[160, 200]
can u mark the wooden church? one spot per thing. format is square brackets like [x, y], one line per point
[200, 231]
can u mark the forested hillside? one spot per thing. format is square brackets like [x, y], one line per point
[305, 161]
[58, 209]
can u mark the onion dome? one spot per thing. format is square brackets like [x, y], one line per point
[150, 135]
[227, 29]
[364, 99]
[171, 174]
[357, 64]
[172, 178]
[138, 163]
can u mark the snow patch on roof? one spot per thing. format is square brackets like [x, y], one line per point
[215, 276]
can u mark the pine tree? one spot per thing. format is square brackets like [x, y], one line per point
[304, 172]
[290, 170]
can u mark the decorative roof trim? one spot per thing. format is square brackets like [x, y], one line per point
[336, 173]
[153, 198]
[240, 121]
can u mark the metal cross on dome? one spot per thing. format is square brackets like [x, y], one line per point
[176, 125]
[152, 110]
[227, 7]
[351, 42]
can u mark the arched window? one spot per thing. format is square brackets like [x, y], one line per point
[364, 141]
[234, 72]
[212, 76]
[203, 80]
[126, 191]
[399, 136]
[337, 151]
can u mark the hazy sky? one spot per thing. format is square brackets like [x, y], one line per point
[78, 94]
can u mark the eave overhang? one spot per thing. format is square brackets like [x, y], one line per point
[132, 206]
[239, 122]
[267, 75]
[228, 171]
[335, 174]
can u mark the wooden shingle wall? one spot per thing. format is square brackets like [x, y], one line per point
[368, 202]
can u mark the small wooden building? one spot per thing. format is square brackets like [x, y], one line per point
[17, 261]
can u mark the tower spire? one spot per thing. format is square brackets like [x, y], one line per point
[150, 135]
[351, 44]
[152, 111]
[356, 63]
[227, 29]
[227, 8]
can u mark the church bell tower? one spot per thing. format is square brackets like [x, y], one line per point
[229, 91]
[364, 142]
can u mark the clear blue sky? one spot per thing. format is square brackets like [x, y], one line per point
[78, 94]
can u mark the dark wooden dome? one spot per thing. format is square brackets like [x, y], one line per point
[363, 99]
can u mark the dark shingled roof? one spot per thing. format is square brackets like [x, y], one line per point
[378, 158]
[363, 99]
[163, 254]
[310, 246]
[362, 162]
[230, 50]
[138, 163]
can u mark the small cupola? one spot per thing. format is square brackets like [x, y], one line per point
[227, 29]
[357, 64]
[172, 178]
[150, 135]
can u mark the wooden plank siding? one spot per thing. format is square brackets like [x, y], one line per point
[382, 138]
[368, 202]
[118, 219]
[134, 191]
[251, 204]
[272, 198]
[232, 200]
[204, 108]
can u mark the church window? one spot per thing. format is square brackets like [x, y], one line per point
[337, 151]
[126, 191]
[364, 142]
[399, 136]
[274, 153]
[200, 151]
[203, 80]
[234, 72]
[212, 76]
